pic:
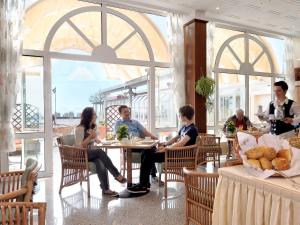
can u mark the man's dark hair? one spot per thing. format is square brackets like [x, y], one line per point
[187, 111]
[122, 107]
[282, 84]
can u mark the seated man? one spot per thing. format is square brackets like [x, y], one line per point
[187, 136]
[240, 121]
[136, 130]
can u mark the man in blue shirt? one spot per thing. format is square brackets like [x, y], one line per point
[136, 129]
[186, 136]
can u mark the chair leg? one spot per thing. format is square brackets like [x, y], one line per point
[186, 221]
[81, 177]
[61, 180]
[159, 179]
[214, 160]
[124, 163]
[88, 185]
[166, 186]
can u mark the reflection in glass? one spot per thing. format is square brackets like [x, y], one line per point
[25, 149]
[231, 95]
[28, 115]
[259, 96]
[165, 115]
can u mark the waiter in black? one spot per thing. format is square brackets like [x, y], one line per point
[283, 113]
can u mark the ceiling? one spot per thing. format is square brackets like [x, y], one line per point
[280, 16]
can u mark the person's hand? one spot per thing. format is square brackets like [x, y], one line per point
[162, 144]
[288, 120]
[92, 134]
[161, 149]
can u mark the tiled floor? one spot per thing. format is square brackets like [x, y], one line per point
[74, 208]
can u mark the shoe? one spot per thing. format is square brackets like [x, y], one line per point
[154, 179]
[110, 192]
[137, 188]
[121, 179]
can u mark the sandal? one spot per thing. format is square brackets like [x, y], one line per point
[121, 179]
[110, 192]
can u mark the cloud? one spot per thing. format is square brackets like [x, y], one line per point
[82, 74]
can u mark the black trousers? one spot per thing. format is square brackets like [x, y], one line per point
[148, 159]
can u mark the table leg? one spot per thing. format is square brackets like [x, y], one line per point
[230, 148]
[129, 167]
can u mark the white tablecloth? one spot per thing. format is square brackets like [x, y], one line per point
[242, 199]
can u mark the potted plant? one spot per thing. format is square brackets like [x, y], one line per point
[205, 87]
[122, 132]
[230, 127]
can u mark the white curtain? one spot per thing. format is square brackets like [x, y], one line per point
[11, 18]
[289, 66]
[210, 48]
[177, 58]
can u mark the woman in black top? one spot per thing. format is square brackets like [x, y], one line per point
[86, 137]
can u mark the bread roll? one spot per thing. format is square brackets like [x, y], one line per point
[280, 164]
[285, 153]
[254, 163]
[269, 153]
[255, 153]
[265, 163]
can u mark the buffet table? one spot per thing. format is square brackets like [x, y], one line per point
[242, 199]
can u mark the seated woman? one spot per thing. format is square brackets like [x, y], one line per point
[85, 136]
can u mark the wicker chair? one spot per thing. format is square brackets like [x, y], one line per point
[75, 167]
[111, 116]
[18, 185]
[209, 149]
[176, 158]
[199, 196]
[22, 213]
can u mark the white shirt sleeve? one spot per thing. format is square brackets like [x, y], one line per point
[79, 135]
[295, 109]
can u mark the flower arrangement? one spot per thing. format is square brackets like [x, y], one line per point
[122, 132]
[230, 127]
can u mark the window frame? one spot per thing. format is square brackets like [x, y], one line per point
[216, 70]
[48, 55]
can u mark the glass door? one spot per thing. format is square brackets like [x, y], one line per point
[28, 116]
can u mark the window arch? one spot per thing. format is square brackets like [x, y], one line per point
[127, 47]
[245, 67]
[107, 51]
[247, 62]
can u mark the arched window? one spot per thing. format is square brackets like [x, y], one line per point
[110, 51]
[245, 67]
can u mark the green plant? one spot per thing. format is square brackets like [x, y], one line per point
[230, 126]
[122, 132]
[205, 87]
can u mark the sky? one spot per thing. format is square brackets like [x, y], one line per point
[75, 82]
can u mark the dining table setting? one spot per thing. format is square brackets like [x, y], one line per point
[128, 145]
